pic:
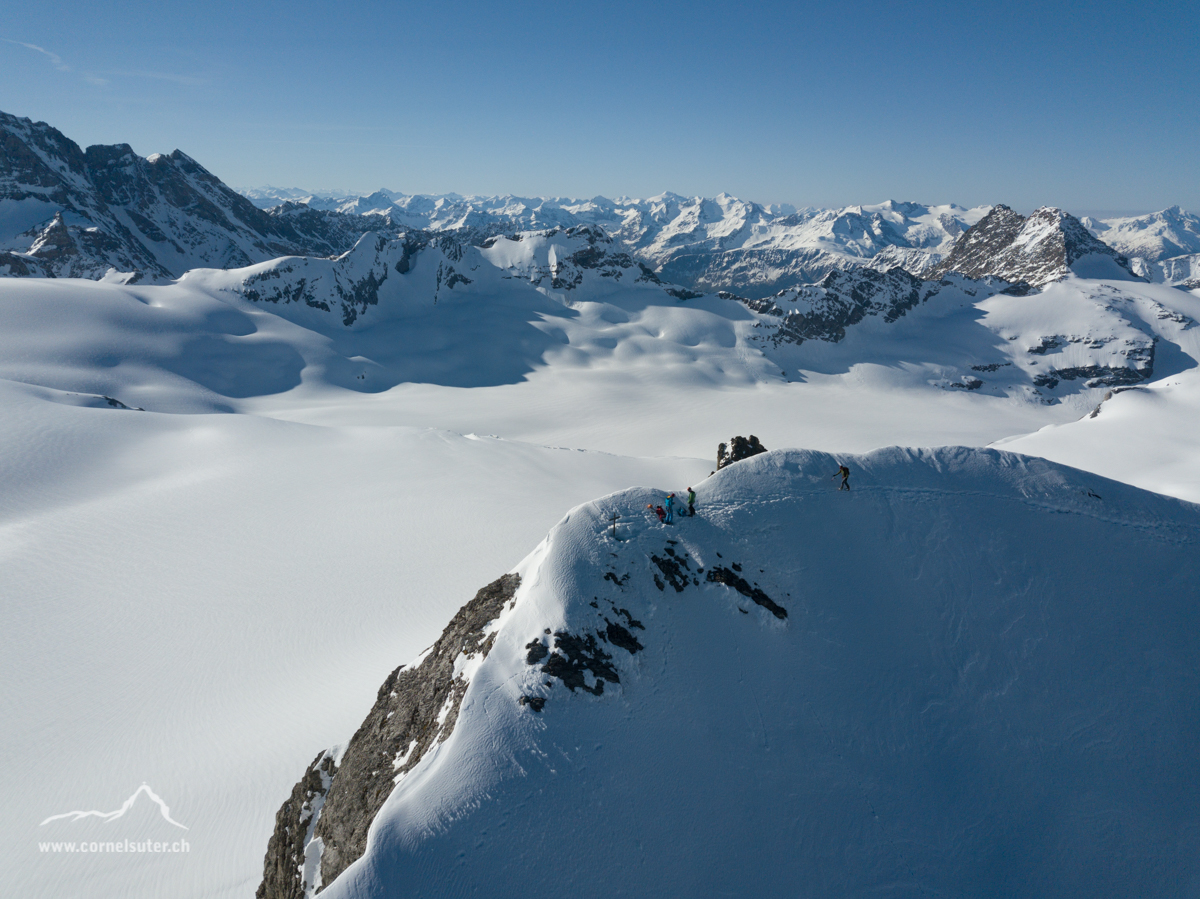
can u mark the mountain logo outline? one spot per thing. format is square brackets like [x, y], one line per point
[109, 817]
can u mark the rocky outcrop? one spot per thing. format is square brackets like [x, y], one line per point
[737, 449]
[844, 298]
[571, 255]
[349, 285]
[416, 708]
[286, 871]
[1048, 246]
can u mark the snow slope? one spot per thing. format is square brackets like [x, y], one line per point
[1145, 436]
[1154, 237]
[932, 685]
[189, 599]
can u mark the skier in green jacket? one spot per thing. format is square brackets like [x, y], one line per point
[691, 502]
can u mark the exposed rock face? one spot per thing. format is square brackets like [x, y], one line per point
[844, 298]
[737, 449]
[415, 709]
[726, 576]
[594, 251]
[285, 872]
[1046, 247]
[88, 213]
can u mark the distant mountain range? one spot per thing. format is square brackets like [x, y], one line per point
[105, 212]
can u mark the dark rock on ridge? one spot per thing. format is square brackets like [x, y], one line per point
[737, 449]
[397, 732]
[720, 575]
[574, 655]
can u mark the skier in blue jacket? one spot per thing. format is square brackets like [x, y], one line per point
[669, 505]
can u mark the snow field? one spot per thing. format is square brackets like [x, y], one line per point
[204, 601]
[192, 601]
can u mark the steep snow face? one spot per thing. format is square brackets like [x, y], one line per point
[1181, 271]
[931, 684]
[1047, 246]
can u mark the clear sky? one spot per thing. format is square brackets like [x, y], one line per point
[1089, 106]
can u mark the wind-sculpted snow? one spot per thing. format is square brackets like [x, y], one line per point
[869, 692]
[430, 309]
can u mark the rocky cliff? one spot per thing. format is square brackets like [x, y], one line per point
[1047, 246]
[322, 827]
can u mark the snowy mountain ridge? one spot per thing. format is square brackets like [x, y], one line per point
[106, 212]
[724, 243]
[1047, 246]
[672, 699]
[702, 243]
[578, 289]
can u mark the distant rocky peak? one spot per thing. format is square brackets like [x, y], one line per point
[54, 241]
[1039, 249]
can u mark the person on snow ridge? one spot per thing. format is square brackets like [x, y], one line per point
[845, 473]
[670, 504]
[658, 510]
[691, 503]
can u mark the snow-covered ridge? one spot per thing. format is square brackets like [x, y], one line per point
[429, 309]
[724, 243]
[782, 683]
[108, 213]
[719, 243]
[1153, 237]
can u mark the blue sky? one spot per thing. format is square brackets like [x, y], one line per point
[1089, 106]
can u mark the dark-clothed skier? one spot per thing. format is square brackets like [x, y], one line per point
[658, 510]
[845, 475]
[691, 502]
